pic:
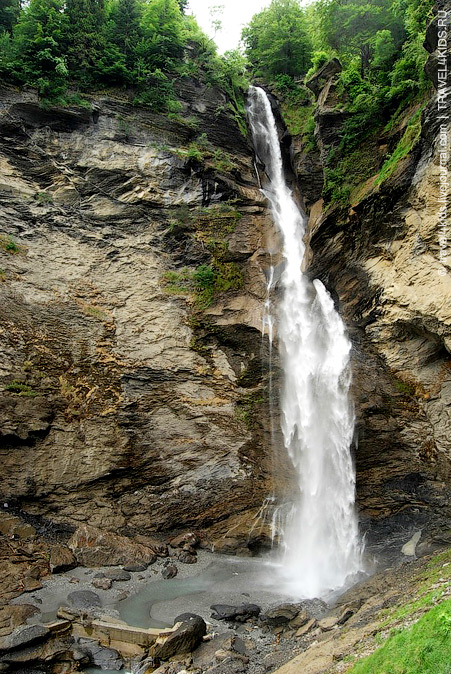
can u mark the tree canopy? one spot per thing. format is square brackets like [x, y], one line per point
[277, 41]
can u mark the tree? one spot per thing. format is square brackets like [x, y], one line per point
[9, 14]
[85, 39]
[122, 34]
[349, 27]
[163, 31]
[38, 40]
[277, 42]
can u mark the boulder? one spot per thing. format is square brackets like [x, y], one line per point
[24, 637]
[186, 557]
[119, 575]
[95, 547]
[205, 655]
[12, 616]
[100, 656]
[328, 623]
[184, 639]
[326, 72]
[301, 619]
[83, 599]
[305, 629]
[280, 615]
[61, 559]
[188, 538]
[235, 613]
[102, 583]
[169, 571]
[158, 548]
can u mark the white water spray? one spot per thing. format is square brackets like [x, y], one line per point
[322, 551]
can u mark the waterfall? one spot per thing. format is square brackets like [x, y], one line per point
[319, 535]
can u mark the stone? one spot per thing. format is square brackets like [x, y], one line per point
[306, 628]
[137, 334]
[315, 608]
[102, 583]
[31, 584]
[83, 599]
[169, 571]
[280, 614]
[61, 559]
[185, 639]
[231, 613]
[328, 623]
[408, 548]
[189, 538]
[135, 567]
[99, 656]
[160, 549]
[186, 557]
[95, 547]
[118, 575]
[301, 618]
[23, 637]
[12, 616]
[326, 72]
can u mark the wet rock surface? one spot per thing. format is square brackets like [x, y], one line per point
[131, 405]
[185, 639]
[83, 599]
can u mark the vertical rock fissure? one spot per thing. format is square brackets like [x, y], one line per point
[319, 534]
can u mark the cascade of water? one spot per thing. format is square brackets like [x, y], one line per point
[320, 541]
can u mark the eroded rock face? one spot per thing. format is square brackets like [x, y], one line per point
[383, 262]
[119, 401]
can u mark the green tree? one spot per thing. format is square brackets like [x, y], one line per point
[117, 63]
[38, 41]
[349, 27]
[163, 34]
[85, 39]
[124, 27]
[277, 42]
[9, 14]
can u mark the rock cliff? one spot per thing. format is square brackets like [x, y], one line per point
[384, 260]
[131, 387]
[132, 280]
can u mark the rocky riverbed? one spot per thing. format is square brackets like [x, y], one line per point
[225, 612]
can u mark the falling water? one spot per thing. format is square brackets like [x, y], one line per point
[319, 535]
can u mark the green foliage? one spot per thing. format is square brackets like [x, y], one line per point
[21, 389]
[44, 198]
[143, 45]
[353, 167]
[38, 39]
[9, 14]
[8, 244]
[408, 141]
[84, 38]
[277, 42]
[349, 27]
[248, 408]
[424, 648]
[204, 277]
[319, 58]
[204, 283]
[405, 387]
[158, 94]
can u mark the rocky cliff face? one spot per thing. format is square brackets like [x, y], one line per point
[134, 393]
[130, 401]
[384, 261]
